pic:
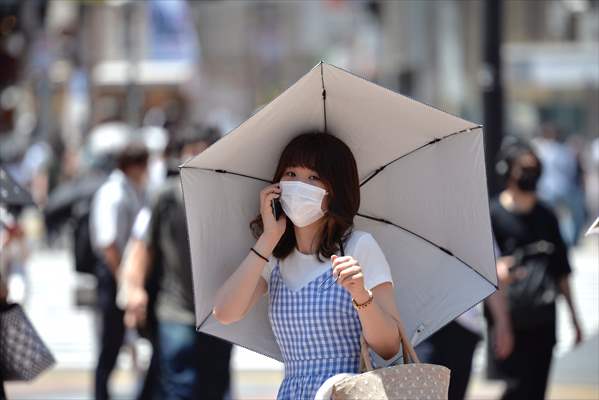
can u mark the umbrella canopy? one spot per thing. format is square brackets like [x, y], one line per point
[11, 193]
[423, 197]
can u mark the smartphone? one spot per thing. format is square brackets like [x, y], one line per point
[277, 210]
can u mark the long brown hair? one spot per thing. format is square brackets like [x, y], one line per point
[334, 162]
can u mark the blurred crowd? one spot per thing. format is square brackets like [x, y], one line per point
[119, 206]
[125, 217]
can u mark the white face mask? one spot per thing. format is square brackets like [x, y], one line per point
[302, 202]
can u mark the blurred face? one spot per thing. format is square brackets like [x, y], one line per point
[137, 174]
[309, 176]
[525, 173]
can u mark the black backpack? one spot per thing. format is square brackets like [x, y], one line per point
[85, 257]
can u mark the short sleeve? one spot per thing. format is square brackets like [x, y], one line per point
[372, 260]
[104, 218]
[268, 270]
[141, 225]
[560, 265]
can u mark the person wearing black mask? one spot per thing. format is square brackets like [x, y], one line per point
[535, 271]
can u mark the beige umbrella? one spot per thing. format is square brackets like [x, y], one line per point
[423, 197]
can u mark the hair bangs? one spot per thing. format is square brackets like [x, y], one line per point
[308, 151]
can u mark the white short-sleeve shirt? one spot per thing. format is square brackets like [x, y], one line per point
[299, 269]
[114, 209]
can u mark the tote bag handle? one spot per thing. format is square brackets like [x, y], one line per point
[409, 354]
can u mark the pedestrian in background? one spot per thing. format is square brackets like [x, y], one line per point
[193, 365]
[453, 345]
[561, 183]
[114, 209]
[535, 269]
[3, 297]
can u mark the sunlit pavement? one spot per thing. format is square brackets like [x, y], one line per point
[69, 332]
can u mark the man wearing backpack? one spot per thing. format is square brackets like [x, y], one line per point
[193, 365]
[536, 271]
[114, 209]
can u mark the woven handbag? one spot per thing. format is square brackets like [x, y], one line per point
[23, 354]
[408, 381]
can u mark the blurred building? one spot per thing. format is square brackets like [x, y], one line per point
[130, 57]
[92, 61]
[552, 65]
[430, 50]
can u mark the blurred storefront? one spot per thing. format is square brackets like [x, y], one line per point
[552, 65]
[67, 66]
[130, 57]
[120, 58]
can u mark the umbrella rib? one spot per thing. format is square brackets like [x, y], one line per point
[324, 97]
[443, 249]
[436, 140]
[203, 321]
[222, 171]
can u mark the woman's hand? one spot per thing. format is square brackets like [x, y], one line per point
[350, 276]
[273, 229]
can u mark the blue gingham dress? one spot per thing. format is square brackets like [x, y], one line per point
[317, 330]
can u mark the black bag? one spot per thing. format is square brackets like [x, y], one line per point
[533, 291]
[23, 354]
[85, 257]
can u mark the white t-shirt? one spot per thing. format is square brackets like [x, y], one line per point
[299, 269]
[113, 211]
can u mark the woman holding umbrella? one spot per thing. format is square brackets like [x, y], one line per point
[327, 283]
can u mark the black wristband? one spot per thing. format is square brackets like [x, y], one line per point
[258, 254]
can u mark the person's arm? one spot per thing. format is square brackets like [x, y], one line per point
[112, 257]
[562, 269]
[379, 327]
[564, 288]
[135, 277]
[143, 250]
[242, 290]
[378, 318]
[503, 337]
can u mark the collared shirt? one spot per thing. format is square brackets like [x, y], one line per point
[114, 208]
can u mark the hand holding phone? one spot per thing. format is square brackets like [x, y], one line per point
[277, 209]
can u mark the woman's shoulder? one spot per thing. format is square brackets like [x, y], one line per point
[362, 244]
[360, 239]
[364, 247]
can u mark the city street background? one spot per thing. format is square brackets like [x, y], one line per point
[69, 332]
[77, 76]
